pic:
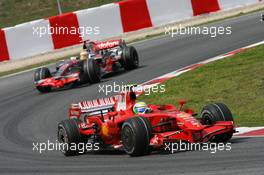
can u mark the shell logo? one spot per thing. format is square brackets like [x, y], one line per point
[105, 130]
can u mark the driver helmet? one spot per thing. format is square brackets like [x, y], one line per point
[73, 58]
[83, 55]
[140, 108]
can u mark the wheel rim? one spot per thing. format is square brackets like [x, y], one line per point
[207, 120]
[135, 56]
[62, 138]
[128, 139]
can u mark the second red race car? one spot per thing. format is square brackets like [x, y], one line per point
[95, 61]
[111, 55]
[119, 122]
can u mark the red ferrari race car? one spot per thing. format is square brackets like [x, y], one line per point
[95, 61]
[119, 122]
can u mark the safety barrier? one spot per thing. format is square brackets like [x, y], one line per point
[46, 35]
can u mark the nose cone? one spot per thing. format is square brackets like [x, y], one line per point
[188, 121]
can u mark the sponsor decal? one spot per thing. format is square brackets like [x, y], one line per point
[108, 44]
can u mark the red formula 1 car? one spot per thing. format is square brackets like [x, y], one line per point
[112, 123]
[111, 55]
[95, 61]
[68, 73]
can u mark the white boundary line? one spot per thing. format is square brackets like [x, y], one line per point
[244, 130]
[193, 66]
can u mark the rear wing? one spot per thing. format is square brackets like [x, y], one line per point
[93, 107]
[97, 105]
[102, 45]
[121, 102]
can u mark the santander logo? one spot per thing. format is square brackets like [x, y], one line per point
[108, 44]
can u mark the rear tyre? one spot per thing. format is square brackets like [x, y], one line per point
[69, 134]
[130, 58]
[40, 74]
[136, 135]
[217, 112]
[91, 71]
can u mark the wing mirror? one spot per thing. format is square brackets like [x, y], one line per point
[112, 115]
[182, 103]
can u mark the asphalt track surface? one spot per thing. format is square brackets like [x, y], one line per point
[27, 116]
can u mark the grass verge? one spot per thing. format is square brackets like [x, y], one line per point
[237, 81]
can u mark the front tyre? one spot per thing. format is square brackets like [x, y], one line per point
[130, 58]
[136, 135]
[69, 134]
[91, 71]
[40, 74]
[217, 112]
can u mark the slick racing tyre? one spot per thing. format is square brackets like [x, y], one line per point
[136, 134]
[69, 136]
[91, 71]
[40, 74]
[130, 58]
[217, 112]
[82, 77]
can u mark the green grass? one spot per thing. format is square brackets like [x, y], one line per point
[237, 81]
[14, 12]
